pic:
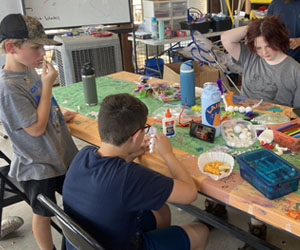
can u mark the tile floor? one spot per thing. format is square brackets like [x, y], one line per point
[219, 240]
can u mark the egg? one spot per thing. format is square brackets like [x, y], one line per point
[237, 129]
[248, 109]
[242, 136]
[242, 109]
[230, 109]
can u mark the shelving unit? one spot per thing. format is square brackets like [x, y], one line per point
[255, 4]
[171, 12]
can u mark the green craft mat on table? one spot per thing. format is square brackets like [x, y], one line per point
[72, 97]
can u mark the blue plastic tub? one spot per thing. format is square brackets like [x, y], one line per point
[268, 173]
[152, 64]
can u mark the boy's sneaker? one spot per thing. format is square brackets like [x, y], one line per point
[258, 231]
[10, 224]
[216, 209]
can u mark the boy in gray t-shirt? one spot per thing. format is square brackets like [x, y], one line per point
[268, 73]
[42, 145]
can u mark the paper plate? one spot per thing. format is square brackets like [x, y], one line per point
[215, 156]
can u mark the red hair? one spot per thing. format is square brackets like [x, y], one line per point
[272, 29]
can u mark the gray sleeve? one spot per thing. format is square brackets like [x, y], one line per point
[296, 101]
[244, 54]
[16, 109]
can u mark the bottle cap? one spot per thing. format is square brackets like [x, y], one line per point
[153, 19]
[87, 69]
[168, 113]
[187, 66]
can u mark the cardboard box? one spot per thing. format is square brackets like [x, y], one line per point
[203, 73]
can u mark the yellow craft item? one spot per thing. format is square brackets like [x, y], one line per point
[216, 167]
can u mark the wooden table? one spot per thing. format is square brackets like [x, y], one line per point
[233, 191]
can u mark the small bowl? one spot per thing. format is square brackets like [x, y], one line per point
[215, 156]
[272, 119]
[238, 133]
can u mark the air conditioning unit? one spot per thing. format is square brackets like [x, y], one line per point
[104, 53]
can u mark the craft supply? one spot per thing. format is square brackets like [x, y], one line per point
[187, 83]
[219, 83]
[168, 124]
[216, 158]
[238, 133]
[268, 173]
[210, 105]
[285, 126]
[152, 133]
[165, 92]
[266, 136]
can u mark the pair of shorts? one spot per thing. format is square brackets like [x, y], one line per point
[47, 187]
[168, 238]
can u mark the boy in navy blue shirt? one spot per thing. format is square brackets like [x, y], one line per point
[121, 203]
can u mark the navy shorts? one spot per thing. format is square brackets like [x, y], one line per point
[168, 238]
[47, 187]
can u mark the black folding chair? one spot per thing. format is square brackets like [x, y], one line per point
[74, 233]
[11, 191]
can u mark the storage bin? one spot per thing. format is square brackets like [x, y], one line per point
[152, 64]
[282, 137]
[156, 9]
[201, 27]
[221, 25]
[179, 9]
[268, 173]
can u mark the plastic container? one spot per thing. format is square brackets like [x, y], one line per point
[210, 105]
[89, 84]
[284, 138]
[238, 133]
[153, 28]
[272, 119]
[152, 64]
[268, 173]
[201, 27]
[187, 83]
[168, 124]
[220, 25]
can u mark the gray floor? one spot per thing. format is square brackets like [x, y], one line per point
[219, 240]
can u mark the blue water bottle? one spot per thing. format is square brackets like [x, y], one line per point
[187, 83]
[210, 106]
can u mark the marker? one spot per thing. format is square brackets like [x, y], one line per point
[294, 131]
[286, 130]
[285, 126]
[296, 135]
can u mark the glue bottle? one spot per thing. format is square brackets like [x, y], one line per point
[168, 124]
[210, 106]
